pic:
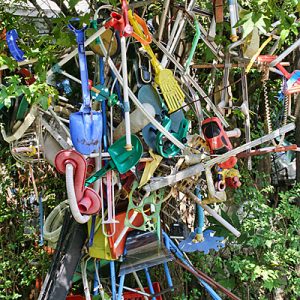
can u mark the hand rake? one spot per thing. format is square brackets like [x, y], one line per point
[164, 78]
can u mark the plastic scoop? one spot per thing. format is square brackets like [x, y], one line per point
[121, 160]
[85, 125]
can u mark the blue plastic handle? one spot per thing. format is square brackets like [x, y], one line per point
[15, 51]
[80, 38]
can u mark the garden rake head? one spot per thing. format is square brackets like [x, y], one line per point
[170, 89]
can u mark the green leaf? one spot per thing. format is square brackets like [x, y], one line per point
[247, 27]
[284, 34]
[73, 3]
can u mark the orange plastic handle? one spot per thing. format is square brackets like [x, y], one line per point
[147, 38]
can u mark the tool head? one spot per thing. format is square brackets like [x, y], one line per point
[125, 160]
[86, 131]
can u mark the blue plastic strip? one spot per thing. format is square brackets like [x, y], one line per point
[150, 285]
[96, 282]
[200, 213]
[168, 275]
[121, 286]
[41, 219]
[170, 245]
[294, 78]
[80, 37]
[113, 280]
[15, 51]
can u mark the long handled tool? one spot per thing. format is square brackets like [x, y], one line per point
[85, 125]
[120, 160]
[164, 78]
[138, 103]
[121, 24]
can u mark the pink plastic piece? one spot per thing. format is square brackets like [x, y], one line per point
[89, 202]
[220, 186]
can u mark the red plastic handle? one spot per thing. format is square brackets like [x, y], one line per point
[127, 29]
[269, 59]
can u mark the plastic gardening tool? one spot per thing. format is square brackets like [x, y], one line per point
[199, 240]
[85, 125]
[164, 78]
[120, 160]
[163, 146]
[121, 24]
[15, 51]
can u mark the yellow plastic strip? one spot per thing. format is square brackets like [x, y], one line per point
[255, 56]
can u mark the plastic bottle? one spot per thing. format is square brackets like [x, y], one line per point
[137, 121]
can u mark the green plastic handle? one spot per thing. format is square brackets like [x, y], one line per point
[99, 173]
[194, 44]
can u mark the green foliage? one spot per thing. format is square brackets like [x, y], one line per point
[266, 255]
[262, 13]
[21, 260]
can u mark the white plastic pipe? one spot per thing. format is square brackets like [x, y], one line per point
[285, 53]
[163, 19]
[213, 213]
[235, 133]
[125, 229]
[178, 30]
[53, 223]
[128, 146]
[233, 19]
[72, 197]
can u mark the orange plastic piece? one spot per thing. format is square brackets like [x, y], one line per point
[148, 38]
[118, 251]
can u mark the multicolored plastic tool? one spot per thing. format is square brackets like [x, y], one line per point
[164, 78]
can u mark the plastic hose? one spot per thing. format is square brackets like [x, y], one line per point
[72, 197]
[54, 221]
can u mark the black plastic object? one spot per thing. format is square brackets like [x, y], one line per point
[64, 263]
